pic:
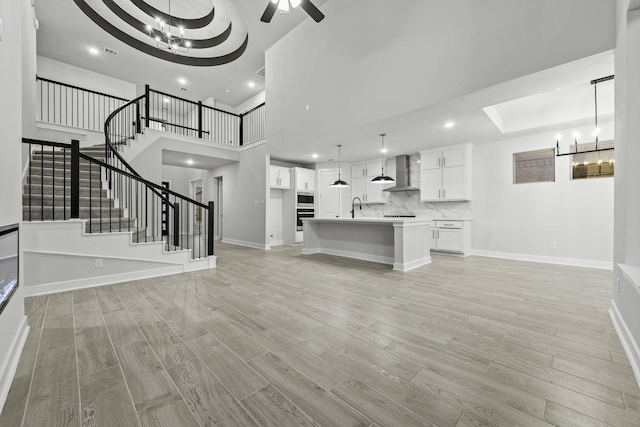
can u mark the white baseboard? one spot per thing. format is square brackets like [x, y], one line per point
[546, 259]
[348, 254]
[412, 264]
[247, 244]
[70, 285]
[276, 243]
[10, 364]
[628, 343]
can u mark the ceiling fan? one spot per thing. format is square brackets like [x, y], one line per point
[283, 5]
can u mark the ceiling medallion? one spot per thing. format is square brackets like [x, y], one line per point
[169, 44]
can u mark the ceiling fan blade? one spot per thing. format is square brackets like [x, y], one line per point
[269, 12]
[313, 11]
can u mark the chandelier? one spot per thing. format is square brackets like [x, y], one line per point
[575, 150]
[165, 40]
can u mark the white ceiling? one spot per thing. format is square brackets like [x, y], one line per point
[196, 161]
[404, 71]
[369, 68]
[557, 106]
[65, 35]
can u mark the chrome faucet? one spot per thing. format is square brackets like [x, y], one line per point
[353, 206]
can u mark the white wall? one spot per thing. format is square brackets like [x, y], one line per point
[524, 219]
[245, 197]
[28, 71]
[626, 296]
[250, 103]
[13, 15]
[69, 74]
[275, 217]
[181, 177]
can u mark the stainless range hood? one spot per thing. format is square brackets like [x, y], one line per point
[402, 175]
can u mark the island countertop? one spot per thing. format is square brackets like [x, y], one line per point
[401, 242]
[369, 220]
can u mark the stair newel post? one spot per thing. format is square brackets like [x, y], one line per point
[146, 106]
[75, 179]
[200, 119]
[176, 225]
[138, 118]
[210, 229]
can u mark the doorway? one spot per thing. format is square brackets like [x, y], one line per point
[195, 193]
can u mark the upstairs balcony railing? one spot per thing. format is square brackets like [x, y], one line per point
[67, 105]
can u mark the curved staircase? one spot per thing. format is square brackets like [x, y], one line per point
[86, 205]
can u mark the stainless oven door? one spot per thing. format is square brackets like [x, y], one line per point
[302, 214]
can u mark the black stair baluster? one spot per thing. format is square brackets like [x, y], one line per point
[64, 184]
[100, 188]
[146, 217]
[137, 212]
[42, 182]
[31, 156]
[53, 195]
[130, 206]
[75, 179]
[210, 229]
[90, 200]
[176, 225]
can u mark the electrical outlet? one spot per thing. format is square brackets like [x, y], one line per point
[618, 285]
[97, 263]
[554, 245]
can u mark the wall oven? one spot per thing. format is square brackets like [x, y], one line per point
[304, 199]
[303, 213]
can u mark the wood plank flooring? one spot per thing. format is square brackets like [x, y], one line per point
[275, 338]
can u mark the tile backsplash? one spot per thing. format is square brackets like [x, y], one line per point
[408, 202]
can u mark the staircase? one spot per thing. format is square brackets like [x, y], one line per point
[47, 193]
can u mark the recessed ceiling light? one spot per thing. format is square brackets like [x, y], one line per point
[448, 125]
[384, 150]
[182, 81]
[227, 91]
[314, 155]
[166, 100]
[189, 162]
[252, 84]
[93, 51]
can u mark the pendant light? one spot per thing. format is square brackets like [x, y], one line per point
[339, 183]
[382, 178]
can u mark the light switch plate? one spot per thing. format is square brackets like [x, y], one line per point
[0, 29]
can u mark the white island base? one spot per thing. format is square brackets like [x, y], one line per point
[403, 243]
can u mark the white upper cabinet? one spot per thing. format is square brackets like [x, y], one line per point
[279, 177]
[446, 174]
[305, 179]
[371, 169]
[361, 186]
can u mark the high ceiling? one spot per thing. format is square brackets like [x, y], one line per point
[497, 68]
[66, 34]
[369, 68]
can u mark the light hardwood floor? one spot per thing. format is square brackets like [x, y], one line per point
[275, 338]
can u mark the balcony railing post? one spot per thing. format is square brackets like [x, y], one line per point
[146, 106]
[210, 229]
[176, 225]
[241, 133]
[75, 179]
[200, 119]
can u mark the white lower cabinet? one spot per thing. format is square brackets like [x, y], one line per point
[453, 236]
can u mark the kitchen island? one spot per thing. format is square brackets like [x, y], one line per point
[401, 242]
